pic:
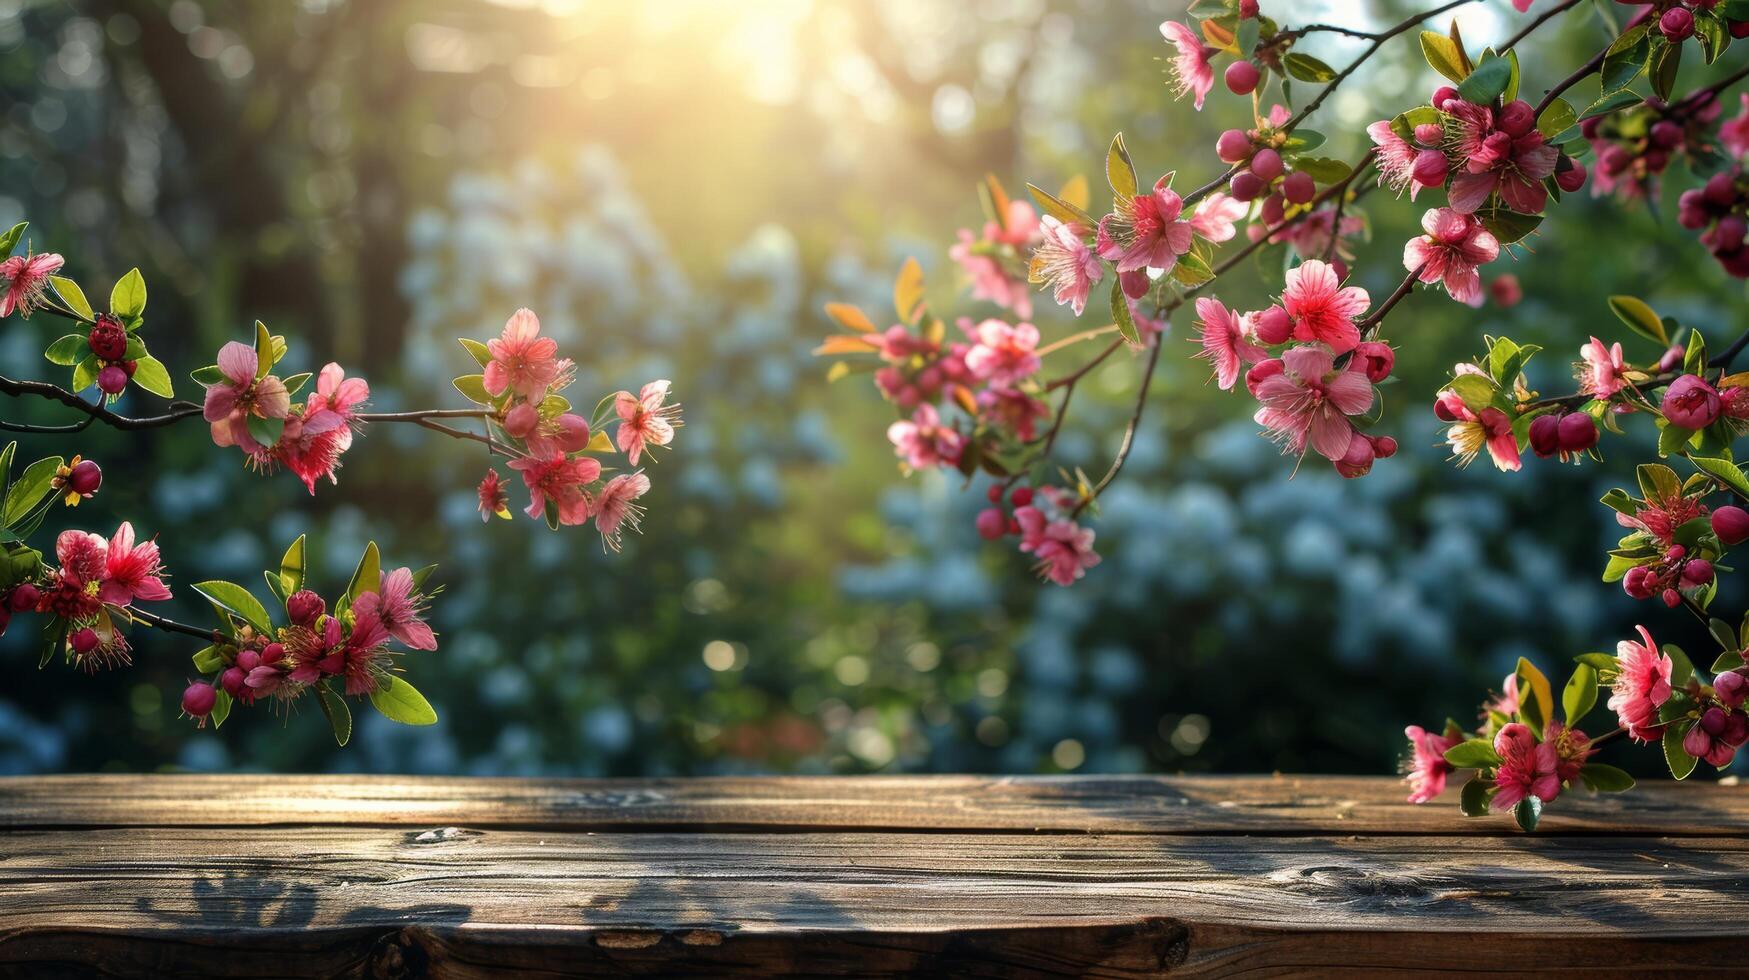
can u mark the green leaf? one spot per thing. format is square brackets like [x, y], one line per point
[473, 388]
[339, 715]
[1476, 391]
[1666, 62]
[128, 298]
[291, 567]
[275, 587]
[1443, 55]
[9, 241]
[265, 431]
[208, 660]
[1605, 779]
[1324, 170]
[1120, 315]
[1613, 102]
[1657, 481]
[1528, 811]
[1726, 472]
[207, 376]
[35, 483]
[1625, 59]
[1557, 118]
[1509, 227]
[263, 350]
[1511, 92]
[6, 455]
[73, 297]
[1675, 756]
[1536, 697]
[1580, 694]
[150, 374]
[1475, 753]
[85, 373]
[221, 710]
[1307, 68]
[1724, 635]
[368, 576]
[1120, 172]
[397, 700]
[66, 351]
[1488, 82]
[421, 575]
[480, 352]
[1474, 801]
[1727, 660]
[1603, 663]
[1057, 208]
[236, 599]
[1714, 36]
[296, 382]
[1681, 668]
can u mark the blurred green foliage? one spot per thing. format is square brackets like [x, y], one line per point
[676, 189]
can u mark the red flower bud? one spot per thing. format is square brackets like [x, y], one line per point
[1021, 497]
[1697, 742]
[1665, 133]
[1731, 688]
[1430, 168]
[199, 699]
[1730, 523]
[248, 660]
[83, 641]
[1545, 435]
[1578, 432]
[992, 524]
[1640, 582]
[272, 654]
[1233, 146]
[1261, 372]
[108, 338]
[1570, 177]
[305, 607]
[1384, 447]
[112, 379]
[1690, 403]
[521, 421]
[1518, 118]
[1720, 190]
[1376, 359]
[1357, 461]
[1299, 187]
[1135, 283]
[85, 478]
[573, 433]
[1442, 95]
[1274, 326]
[1242, 77]
[23, 598]
[1672, 598]
[1697, 571]
[1266, 164]
[232, 679]
[1677, 23]
[1246, 186]
[994, 493]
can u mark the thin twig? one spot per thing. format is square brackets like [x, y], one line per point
[1129, 432]
[171, 626]
[1547, 15]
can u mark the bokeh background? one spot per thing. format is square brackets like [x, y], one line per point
[676, 188]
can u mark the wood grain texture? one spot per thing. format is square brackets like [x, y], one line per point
[349, 876]
[969, 804]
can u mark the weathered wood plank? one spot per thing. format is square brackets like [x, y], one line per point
[1091, 804]
[381, 901]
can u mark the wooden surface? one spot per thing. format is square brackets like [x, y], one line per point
[1102, 876]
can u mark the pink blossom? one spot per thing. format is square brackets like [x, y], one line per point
[1455, 244]
[1308, 403]
[1572, 749]
[1065, 263]
[1733, 133]
[230, 402]
[1495, 160]
[616, 506]
[1425, 768]
[922, 441]
[131, 572]
[1146, 230]
[990, 281]
[559, 479]
[1396, 158]
[1600, 370]
[1064, 549]
[24, 280]
[1003, 354]
[1470, 432]
[364, 653]
[398, 606]
[1506, 702]
[1014, 410]
[83, 556]
[1641, 686]
[522, 360]
[1527, 767]
[1312, 237]
[1322, 308]
[1191, 70]
[493, 499]
[314, 438]
[644, 420]
[1228, 340]
[1214, 216]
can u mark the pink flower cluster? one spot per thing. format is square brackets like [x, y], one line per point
[995, 263]
[1044, 521]
[306, 439]
[95, 576]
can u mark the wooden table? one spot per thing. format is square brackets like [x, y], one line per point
[1105, 876]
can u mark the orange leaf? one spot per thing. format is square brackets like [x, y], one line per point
[1075, 192]
[850, 317]
[841, 344]
[908, 291]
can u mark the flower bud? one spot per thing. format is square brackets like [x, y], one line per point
[1545, 435]
[1376, 359]
[199, 699]
[1736, 729]
[1247, 9]
[1242, 77]
[1299, 187]
[992, 523]
[1640, 582]
[1665, 133]
[1246, 186]
[1266, 164]
[1518, 118]
[573, 434]
[1430, 168]
[1672, 358]
[1135, 283]
[521, 421]
[23, 598]
[272, 654]
[1571, 177]
[108, 338]
[1731, 687]
[305, 607]
[1677, 23]
[1730, 523]
[1429, 134]
[1614, 159]
[1261, 372]
[1720, 190]
[83, 640]
[1384, 447]
[1021, 497]
[1690, 403]
[1578, 432]
[1233, 146]
[232, 680]
[1697, 571]
[1697, 742]
[1357, 461]
[1442, 95]
[1274, 326]
[1273, 210]
[1672, 598]
[248, 660]
[85, 477]
[112, 379]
